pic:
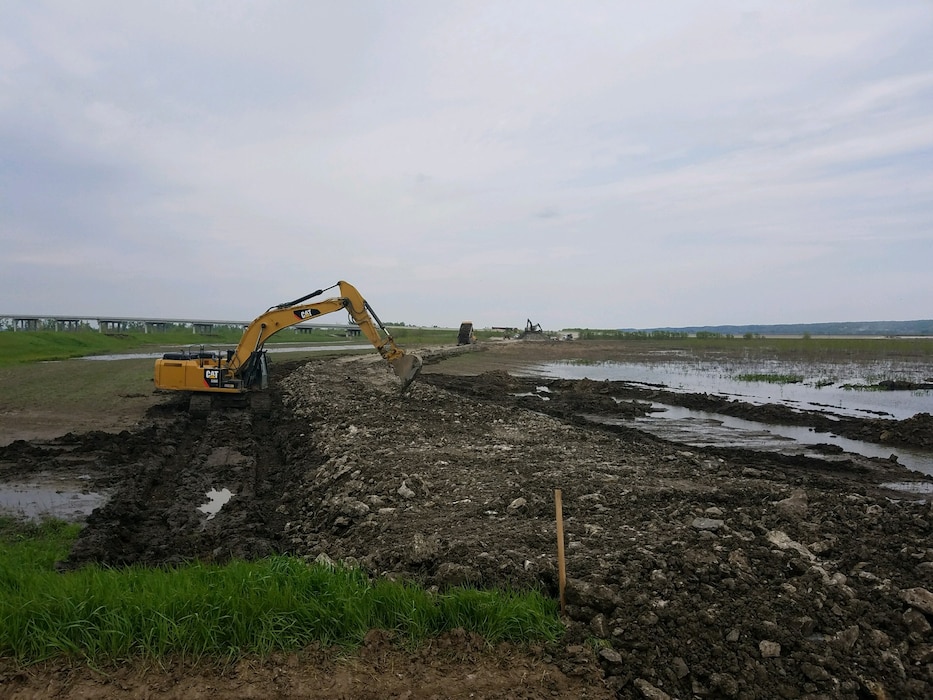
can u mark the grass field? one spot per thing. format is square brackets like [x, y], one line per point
[35, 346]
[71, 385]
[196, 610]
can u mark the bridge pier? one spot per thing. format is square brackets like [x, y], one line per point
[25, 324]
[111, 325]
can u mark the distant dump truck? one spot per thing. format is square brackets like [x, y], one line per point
[466, 336]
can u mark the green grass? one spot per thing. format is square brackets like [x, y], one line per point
[16, 348]
[28, 546]
[770, 378]
[879, 385]
[205, 610]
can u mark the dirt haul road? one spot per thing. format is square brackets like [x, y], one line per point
[692, 572]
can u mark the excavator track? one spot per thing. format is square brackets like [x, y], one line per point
[201, 404]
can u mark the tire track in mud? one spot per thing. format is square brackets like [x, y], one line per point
[160, 514]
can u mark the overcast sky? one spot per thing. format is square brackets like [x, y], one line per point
[579, 163]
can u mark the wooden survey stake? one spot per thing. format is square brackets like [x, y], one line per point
[561, 568]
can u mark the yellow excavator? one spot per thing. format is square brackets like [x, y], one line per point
[244, 370]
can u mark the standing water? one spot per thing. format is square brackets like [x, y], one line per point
[839, 388]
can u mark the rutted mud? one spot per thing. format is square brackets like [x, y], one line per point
[157, 515]
[693, 572]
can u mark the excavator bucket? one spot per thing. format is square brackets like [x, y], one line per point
[407, 368]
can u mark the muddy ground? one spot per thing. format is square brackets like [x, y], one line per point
[693, 572]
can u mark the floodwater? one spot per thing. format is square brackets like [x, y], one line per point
[823, 388]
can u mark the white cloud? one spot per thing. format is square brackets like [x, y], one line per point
[482, 160]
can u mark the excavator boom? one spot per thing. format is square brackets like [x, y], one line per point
[244, 368]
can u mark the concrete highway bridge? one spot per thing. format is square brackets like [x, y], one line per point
[120, 324]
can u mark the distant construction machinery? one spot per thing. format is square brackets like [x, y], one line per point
[531, 330]
[466, 336]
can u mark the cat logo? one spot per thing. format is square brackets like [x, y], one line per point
[307, 313]
[212, 375]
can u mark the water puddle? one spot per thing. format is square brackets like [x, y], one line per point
[47, 497]
[918, 487]
[215, 501]
[539, 390]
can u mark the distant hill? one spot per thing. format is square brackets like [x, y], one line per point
[924, 327]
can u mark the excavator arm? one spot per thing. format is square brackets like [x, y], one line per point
[244, 368]
[292, 313]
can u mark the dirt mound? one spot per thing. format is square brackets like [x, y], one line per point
[917, 431]
[740, 575]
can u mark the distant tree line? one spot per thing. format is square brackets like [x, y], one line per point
[587, 334]
[921, 327]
